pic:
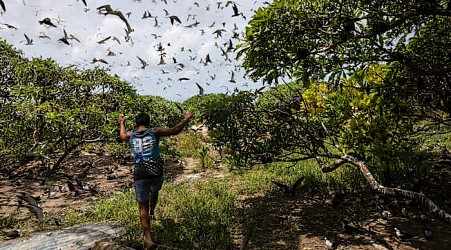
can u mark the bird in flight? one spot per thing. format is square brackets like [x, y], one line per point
[182, 111]
[290, 191]
[201, 90]
[43, 35]
[94, 60]
[174, 18]
[47, 21]
[107, 10]
[29, 40]
[218, 32]
[32, 205]
[236, 12]
[193, 24]
[9, 26]
[207, 59]
[143, 62]
[146, 14]
[104, 40]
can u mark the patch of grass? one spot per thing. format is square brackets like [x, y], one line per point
[188, 142]
[195, 216]
[254, 181]
[258, 179]
[11, 220]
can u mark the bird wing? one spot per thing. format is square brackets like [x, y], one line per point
[64, 40]
[201, 90]
[75, 38]
[142, 61]
[106, 8]
[37, 211]
[176, 18]
[259, 91]
[235, 10]
[29, 41]
[84, 2]
[297, 183]
[104, 40]
[116, 39]
[180, 108]
[283, 186]
[3, 5]
[30, 200]
[121, 16]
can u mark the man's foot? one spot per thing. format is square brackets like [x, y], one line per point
[150, 246]
[149, 242]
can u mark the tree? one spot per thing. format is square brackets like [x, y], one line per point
[368, 52]
[49, 111]
[333, 39]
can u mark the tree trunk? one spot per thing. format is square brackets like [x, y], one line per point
[70, 150]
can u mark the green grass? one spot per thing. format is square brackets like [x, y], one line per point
[195, 216]
[188, 142]
[11, 221]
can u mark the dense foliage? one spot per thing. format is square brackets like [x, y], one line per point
[48, 111]
[331, 40]
[355, 81]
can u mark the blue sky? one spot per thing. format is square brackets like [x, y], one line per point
[189, 46]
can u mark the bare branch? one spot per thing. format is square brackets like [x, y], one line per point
[394, 191]
[336, 164]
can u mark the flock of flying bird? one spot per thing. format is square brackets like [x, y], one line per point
[224, 41]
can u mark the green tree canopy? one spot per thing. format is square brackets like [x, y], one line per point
[48, 111]
[330, 40]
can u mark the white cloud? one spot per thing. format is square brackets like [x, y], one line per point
[90, 27]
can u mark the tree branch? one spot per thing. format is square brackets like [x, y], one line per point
[70, 149]
[393, 191]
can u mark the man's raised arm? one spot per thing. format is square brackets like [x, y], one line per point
[176, 129]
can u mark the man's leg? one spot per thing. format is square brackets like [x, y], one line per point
[155, 188]
[153, 198]
[145, 223]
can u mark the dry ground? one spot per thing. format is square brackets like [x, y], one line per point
[270, 221]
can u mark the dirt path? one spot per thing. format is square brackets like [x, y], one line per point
[96, 176]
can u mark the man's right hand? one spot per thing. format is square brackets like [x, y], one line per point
[122, 118]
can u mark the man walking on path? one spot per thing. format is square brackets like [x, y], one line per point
[148, 172]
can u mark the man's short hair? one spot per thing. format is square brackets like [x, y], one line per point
[142, 119]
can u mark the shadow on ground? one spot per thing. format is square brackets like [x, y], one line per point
[276, 221]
